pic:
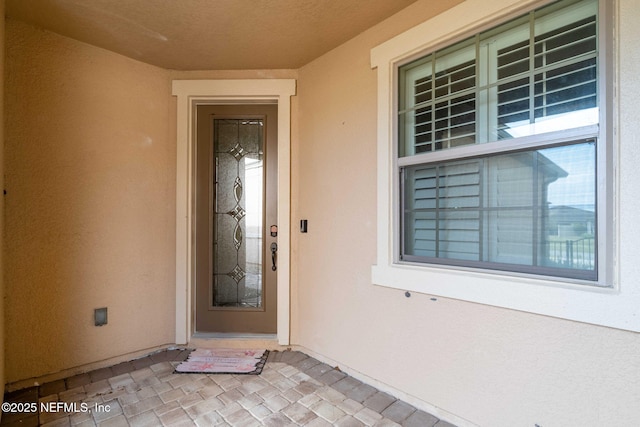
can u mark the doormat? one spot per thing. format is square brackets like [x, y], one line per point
[224, 361]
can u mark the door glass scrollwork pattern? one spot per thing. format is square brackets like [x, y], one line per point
[238, 213]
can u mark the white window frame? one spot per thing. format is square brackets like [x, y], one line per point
[608, 304]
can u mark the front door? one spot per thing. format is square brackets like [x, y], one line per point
[236, 230]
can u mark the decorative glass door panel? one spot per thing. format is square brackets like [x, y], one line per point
[238, 213]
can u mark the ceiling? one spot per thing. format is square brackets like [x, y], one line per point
[209, 34]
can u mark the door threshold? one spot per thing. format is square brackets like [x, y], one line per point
[235, 340]
[233, 336]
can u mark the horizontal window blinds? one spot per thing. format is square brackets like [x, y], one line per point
[443, 211]
[560, 78]
[500, 86]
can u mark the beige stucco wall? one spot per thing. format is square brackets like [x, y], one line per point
[489, 366]
[90, 204]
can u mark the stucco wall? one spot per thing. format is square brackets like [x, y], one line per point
[90, 204]
[485, 365]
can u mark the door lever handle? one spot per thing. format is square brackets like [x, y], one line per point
[274, 249]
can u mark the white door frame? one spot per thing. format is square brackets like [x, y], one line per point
[192, 93]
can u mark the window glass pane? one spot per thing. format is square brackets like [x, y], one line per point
[530, 211]
[439, 101]
[530, 76]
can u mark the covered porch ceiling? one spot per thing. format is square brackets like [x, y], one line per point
[209, 34]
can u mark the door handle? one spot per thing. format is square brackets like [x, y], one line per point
[274, 249]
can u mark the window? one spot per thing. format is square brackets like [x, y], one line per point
[528, 144]
[500, 149]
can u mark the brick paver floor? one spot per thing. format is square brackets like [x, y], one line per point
[293, 390]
